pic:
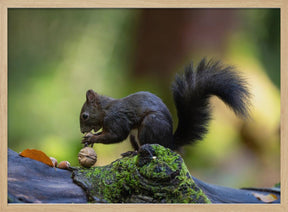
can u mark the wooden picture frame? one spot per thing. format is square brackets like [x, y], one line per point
[6, 4]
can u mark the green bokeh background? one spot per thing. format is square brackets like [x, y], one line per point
[55, 55]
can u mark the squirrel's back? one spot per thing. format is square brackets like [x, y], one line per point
[140, 104]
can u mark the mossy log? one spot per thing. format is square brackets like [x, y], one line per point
[153, 175]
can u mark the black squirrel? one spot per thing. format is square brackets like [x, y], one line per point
[146, 118]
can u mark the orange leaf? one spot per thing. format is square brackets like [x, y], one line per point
[36, 155]
[266, 198]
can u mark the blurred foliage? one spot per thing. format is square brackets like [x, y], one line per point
[267, 40]
[55, 55]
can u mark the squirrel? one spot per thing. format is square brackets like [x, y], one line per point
[147, 120]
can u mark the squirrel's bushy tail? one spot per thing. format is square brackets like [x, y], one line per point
[192, 90]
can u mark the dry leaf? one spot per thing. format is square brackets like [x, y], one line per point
[266, 198]
[37, 155]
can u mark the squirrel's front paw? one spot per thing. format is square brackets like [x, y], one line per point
[89, 138]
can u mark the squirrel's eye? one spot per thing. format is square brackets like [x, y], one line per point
[85, 116]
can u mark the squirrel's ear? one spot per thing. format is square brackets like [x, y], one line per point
[92, 97]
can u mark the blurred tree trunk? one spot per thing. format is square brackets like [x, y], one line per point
[167, 37]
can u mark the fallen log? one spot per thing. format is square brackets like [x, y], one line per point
[154, 175]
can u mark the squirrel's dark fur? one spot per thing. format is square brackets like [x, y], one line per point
[147, 119]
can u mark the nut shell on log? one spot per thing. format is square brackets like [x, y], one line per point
[63, 165]
[54, 161]
[87, 157]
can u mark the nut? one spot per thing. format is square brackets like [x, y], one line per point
[88, 134]
[87, 157]
[54, 161]
[64, 165]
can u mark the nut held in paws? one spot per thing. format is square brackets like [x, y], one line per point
[87, 157]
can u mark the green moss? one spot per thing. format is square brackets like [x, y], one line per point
[155, 175]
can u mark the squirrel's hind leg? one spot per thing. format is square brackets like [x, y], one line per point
[156, 129]
[134, 143]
